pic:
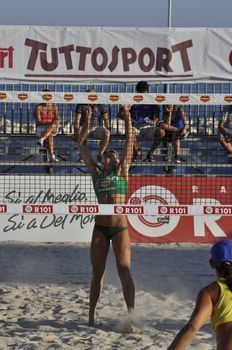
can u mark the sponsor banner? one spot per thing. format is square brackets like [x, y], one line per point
[83, 209]
[215, 210]
[181, 201]
[173, 210]
[159, 209]
[111, 209]
[128, 210]
[67, 54]
[37, 209]
[122, 98]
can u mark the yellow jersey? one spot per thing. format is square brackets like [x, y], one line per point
[222, 312]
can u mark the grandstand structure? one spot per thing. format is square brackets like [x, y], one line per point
[190, 200]
[201, 153]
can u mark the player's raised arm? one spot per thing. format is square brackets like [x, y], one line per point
[128, 148]
[82, 144]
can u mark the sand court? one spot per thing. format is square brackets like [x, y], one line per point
[44, 290]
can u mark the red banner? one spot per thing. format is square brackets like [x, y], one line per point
[178, 192]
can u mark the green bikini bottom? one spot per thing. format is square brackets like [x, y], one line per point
[110, 231]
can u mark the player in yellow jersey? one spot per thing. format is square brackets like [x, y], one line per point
[214, 300]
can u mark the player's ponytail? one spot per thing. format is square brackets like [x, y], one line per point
[226, 273]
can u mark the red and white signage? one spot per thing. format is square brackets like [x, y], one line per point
[37, 209]
[175, 198]
[107, 54]
[83, 209]
[128, 210]
[159, 209]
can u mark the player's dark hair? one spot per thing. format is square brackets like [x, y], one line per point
[225, 272]
[142, 86]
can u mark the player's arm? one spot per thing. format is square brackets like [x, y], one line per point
[128, 148]
[77, 125]
[202, 311]
[82, 143]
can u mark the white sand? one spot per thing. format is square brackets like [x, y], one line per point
[44, 297]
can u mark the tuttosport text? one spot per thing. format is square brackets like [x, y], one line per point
[147, 59]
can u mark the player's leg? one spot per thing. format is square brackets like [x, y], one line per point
[98, 255]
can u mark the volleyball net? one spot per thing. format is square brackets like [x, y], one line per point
[198, 183]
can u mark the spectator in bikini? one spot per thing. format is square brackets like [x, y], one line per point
[47, 124]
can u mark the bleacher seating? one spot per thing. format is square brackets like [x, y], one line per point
[201, 155]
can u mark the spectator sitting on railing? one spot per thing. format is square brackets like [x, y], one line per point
[176, 127]
[99, 127]
[47, 123]
[145, 120]
[225, 130]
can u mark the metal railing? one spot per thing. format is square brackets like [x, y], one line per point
[18, 118]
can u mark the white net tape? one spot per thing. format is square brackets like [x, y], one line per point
[116, 209]
[114, 98]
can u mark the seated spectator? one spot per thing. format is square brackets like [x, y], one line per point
[175, 126]
[225, 130]
[99, 126]
[145, 119]
[47, 124]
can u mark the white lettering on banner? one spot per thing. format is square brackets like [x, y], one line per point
[37, 209]
[84, 209]
[181, 210]
[195, 189]
[153, 225]
[200, 222]
[159, 226]
[223, 189]
[222, 210]
[137, 210]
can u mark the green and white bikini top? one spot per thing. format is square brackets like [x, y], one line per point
[110, 184]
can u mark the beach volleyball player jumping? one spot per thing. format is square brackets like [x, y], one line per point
[110, 184]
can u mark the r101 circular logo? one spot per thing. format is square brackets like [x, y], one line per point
[153, 225]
